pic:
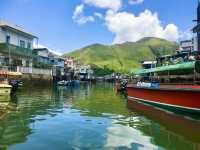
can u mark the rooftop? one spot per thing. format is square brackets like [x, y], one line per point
[51, 53]
[15, 28]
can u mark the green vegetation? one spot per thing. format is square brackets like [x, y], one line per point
[123, 57]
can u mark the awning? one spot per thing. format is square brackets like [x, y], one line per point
[15, 74]
[7, 73]
[182, 66]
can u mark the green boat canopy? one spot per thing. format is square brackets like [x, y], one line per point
[182, 66]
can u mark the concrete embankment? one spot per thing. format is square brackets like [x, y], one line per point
[35, 74]
[32, 77]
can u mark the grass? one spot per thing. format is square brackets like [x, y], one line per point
[124, 57]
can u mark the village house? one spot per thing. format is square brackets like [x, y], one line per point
[187, 45]
[16, 52]
[71, 62]
[70, 65]
[16, 46]
[46, 59]
[76, 70]
[45, 56]
[41, 58]
[84, 72]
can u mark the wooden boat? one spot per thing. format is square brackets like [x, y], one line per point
[178, 97]
[5, 87]
[173, 97]
[176, 123]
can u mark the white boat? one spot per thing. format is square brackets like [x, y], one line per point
[5, 89]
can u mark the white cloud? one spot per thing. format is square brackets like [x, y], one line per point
[133, 2]
[171, 32]
[128, 27]
[99, 15]
[106, 4]
[124, 136]
[79, 16]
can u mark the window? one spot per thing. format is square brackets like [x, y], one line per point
[7, 39]
[22, 44]
[29, 45]
[27, 63]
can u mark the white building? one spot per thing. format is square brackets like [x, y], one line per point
[195, 43]
[187, 45]
[16, 45]
[84, 72]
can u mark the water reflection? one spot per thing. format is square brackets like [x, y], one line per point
[90, 117]
[144, 127]
[124, 137]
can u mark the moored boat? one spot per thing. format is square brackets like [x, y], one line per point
[174, 122]
[181, 96]
[5, 89]
[6, 82]
[187, 99]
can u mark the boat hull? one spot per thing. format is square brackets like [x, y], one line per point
[5, 89]
[178, 99]
[174, 122]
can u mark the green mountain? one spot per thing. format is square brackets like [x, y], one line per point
[123, 57]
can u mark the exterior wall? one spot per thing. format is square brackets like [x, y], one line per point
[3, 62]
[23, 62]
[34, 71]
[70, 63]
[14, 38]
[61, 63]
[57, 62]
[84, 72]
[44, 60]
[2, 39]
[195, 44]
[187, 45]
[36, 78]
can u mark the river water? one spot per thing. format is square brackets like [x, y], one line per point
[90, 117]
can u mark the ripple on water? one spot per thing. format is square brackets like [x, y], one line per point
[90, 117]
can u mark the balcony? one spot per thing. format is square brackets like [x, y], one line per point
[15, 50]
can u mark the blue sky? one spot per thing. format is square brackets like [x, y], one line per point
[59, 25]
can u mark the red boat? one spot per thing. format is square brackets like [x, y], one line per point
[176, 124]
[181, 98]
[174, 96]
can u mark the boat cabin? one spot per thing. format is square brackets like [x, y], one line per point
[182, 67]
[149, 64]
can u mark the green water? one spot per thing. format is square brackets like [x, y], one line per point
[90, 117]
